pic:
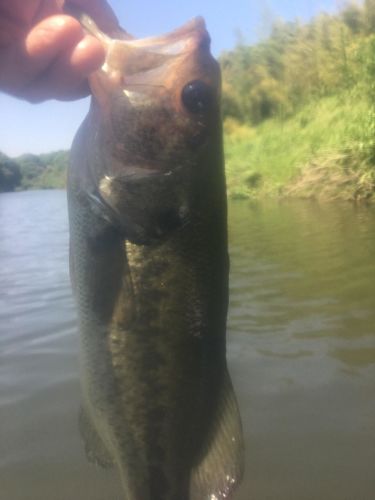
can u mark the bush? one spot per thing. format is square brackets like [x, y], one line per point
[10, 174]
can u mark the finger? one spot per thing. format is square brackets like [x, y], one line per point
[24, 61]
[53, 62]
[50, 37]
[66, 78]
[10, 31]
[19, 11]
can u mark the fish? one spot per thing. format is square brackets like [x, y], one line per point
[149, 269]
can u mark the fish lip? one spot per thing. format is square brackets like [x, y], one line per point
[187, 30]
[196, 24]
[143, 174]
[161, 48]
[136, 172]
[148, 58]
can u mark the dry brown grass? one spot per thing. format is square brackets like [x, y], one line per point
[333, 177]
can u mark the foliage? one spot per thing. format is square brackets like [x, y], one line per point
[46, 171]
[299, 108]
[296, 64]
[10, 175]
[32, 168]
[328, 141]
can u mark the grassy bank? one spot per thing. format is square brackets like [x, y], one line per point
[299, 108]
[326, 150]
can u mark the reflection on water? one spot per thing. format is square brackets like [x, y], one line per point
[302, 331]
[301, 351]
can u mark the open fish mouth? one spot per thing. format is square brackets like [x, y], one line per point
[169, 44]
[155, 106]
[133, 64]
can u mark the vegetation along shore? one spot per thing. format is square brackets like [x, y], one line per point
[299, 114]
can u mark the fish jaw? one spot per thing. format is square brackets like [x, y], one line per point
[156, 66]
[142, 85]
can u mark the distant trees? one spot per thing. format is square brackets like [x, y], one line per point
[46, 171]
[354, 18]
[369, 15]
[297, 63]
[31, 167]
[10, 174]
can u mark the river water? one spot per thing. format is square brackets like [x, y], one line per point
[301, 350]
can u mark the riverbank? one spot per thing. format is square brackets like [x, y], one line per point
[325, 151]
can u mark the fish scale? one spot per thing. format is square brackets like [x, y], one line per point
[149, 265]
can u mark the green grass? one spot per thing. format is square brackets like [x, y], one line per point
[336, 133]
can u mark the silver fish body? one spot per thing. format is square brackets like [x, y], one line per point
[149, 266]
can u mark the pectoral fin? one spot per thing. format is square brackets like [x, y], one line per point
[96, 452]
[221, 466]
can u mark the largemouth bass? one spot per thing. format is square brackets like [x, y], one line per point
[149, 267]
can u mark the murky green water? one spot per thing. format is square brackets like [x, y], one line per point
[301, 348]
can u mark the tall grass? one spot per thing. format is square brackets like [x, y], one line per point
[336, 132]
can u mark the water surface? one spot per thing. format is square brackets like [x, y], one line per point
[301, 349]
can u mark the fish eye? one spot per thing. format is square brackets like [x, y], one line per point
[197, 96]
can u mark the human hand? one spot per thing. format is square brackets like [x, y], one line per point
[44, 54]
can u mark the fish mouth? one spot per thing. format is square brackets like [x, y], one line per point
[170, 43]
[135, 172]
[173, 42]
[141, 62]
[144, 61]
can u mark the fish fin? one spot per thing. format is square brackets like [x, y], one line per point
[96, 452]
[221, 465]
[71, 268]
